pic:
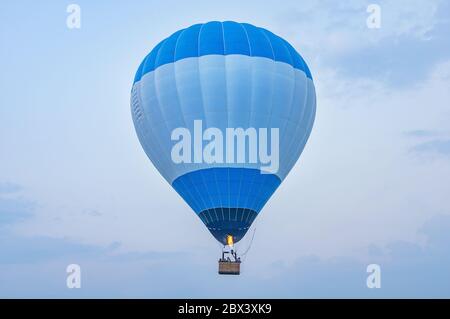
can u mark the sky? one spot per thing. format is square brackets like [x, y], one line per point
[371, 186]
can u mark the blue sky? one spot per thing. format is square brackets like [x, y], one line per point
[371, 186]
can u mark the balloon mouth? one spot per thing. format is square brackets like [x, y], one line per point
[224, 222]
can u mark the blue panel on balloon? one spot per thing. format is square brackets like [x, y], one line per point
[226, 199]
[222, 38]
[226, 187]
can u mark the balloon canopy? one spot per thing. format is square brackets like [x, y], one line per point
[223, 75]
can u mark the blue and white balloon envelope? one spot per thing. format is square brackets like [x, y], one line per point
[223, 75]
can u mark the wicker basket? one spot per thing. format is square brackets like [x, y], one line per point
[229, 267]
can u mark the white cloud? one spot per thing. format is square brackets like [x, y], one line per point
[327, 27]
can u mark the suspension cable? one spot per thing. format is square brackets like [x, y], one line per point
[250, 244]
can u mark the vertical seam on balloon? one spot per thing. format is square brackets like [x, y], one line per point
[176, 44]
[203, 203]
[158, 163]
[215, 180]
[157, 141]
[176, 84]
[203, 105]
[141, 74]
[209, 213]
[194, 198]
[300, 146]
[243, 213]
[247, 202]
[248, 215]
[291, 152]
[253, 91]
[158, 99]
[292, 148]
[304, 105]
[249, 118]
[203, 108]
[205, 211]
[140, 128]
[243, 165]
[140, 104]
[268, 40]
[310, 122]
[283, 134]
[248, 40]
[308, 129]
[161, 112]
[257, 194]
[202, 218]
[139, 123]
[182, 191]
[175, 79]
[226, 111]
[252, 109]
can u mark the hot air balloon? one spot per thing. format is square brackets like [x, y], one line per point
[217, 76]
